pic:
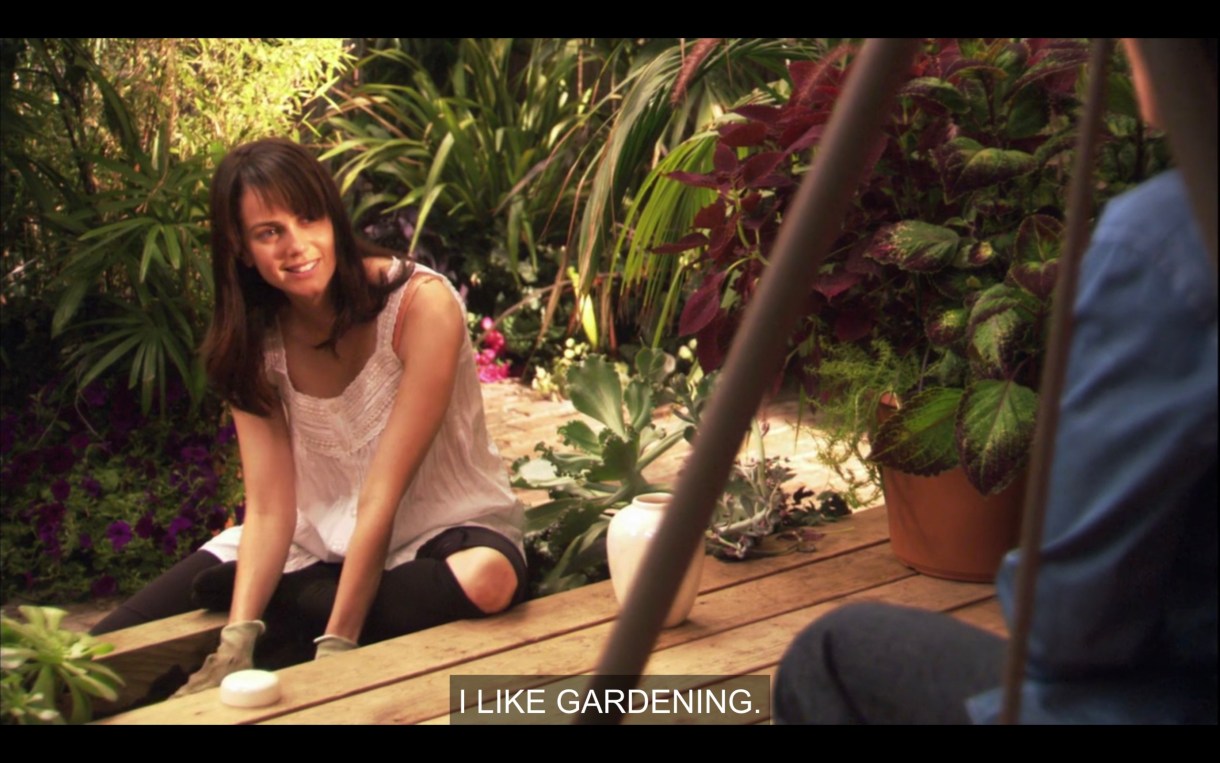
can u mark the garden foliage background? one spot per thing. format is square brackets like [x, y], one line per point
[535, 173]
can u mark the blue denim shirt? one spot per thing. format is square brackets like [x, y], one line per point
[1125, 623]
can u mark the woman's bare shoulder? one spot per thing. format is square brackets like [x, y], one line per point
[429, 308]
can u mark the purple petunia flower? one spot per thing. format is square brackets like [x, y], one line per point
[91, 486]
[195, 454]
[79, 441]
[95, 395]
[49, 535]
[169, 544]
[217, 517]
[146, 526]
[119, 534]
[179, 524]
[60, 489]
[239, 512]
[225, 434]
[8, 433]
[85, 541]
[58, 459]
[105, 585]
[24, 466]
[51, 515]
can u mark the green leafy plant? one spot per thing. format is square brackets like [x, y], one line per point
[49, 672]
[947, 257]
[604, 470]
[847, 411]
[107, 150]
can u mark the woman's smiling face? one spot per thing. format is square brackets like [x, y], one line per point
[293, 253]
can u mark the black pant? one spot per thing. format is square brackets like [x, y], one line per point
[413, 596]
[882, 664]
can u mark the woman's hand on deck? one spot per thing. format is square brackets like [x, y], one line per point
[236, 652]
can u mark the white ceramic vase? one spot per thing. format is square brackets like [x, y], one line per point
[627, 539]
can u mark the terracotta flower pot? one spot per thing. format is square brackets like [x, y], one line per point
[942, 526]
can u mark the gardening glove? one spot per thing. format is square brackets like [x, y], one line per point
[329, 645]
[236, 652]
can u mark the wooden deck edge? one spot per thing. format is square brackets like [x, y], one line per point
[146, 656]
[965, 600]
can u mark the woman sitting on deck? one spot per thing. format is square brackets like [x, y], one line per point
[376, 504]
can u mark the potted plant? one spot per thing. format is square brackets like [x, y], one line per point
[937, 293]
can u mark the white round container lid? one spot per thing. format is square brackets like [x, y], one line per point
[250, 688]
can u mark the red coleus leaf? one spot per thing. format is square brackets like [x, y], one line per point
[875, 154]
[857, 262]
[853, 324]
[725, 159]
[765, 114]
[935, 95]
[1051, 63]
[703, 306]
[966, 165]
[710, 216]
[684, 244]
[694, 178]
[915, 246]
[708, 347]
[802, 74]
[775, 181]
[964, 66]
[723, 239]
[808, 76]
[1038, 278]
[832, 285]
[759, 166]
[751, 201]
[1038, 239]
[797, 121]
[947, 327]
[743, 134]
[795, 141]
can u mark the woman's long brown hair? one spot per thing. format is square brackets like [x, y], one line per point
[284, 173]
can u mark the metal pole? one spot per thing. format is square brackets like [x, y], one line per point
[1076, 238]
[810, 227]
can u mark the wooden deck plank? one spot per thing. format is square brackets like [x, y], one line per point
[987, 615]
[145, 653]
[552, 616]
[758, 646]
[426, 696]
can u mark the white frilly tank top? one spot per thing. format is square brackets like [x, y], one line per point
[461, 481]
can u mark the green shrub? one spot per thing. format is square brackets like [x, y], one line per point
[49, 671]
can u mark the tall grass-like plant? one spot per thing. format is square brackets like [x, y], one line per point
[107, 150]
[670, 94]
[482, 152]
